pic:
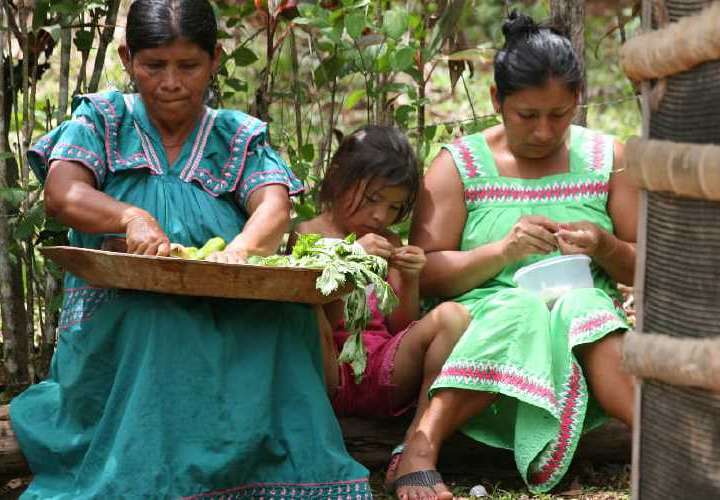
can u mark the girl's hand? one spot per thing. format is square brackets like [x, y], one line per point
[144, 236]
[374, 244]
[531, 234]
[409, 260]
[231, 255]
[585, 238]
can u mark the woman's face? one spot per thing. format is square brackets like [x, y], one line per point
[172, 79]
[537, 119]
[370, 207]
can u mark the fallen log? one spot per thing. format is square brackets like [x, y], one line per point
[370, 441]
[12, 461]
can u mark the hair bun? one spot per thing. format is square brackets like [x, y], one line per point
[518, 25]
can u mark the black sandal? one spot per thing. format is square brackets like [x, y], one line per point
[424, 478]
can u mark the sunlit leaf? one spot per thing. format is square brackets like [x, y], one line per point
[354, 98]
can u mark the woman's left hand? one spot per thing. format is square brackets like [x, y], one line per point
[583, 237]
[409, 260]
[231, 255]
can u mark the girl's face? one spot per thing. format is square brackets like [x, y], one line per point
[537, 119]
[370, 207]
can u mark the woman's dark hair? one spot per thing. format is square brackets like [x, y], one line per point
[154, 23]
[372, 152]
[532, 55]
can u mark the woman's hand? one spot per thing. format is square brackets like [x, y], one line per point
[144, 236]
[231, 255]
[408, 260]
[374, 244]
[531, 234]
[586, 238]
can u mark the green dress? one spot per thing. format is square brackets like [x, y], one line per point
[161, 396]
[515, 345]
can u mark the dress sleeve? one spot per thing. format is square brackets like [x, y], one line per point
[264, 167]
[79, 139]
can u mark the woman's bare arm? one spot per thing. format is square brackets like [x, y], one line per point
[71, 198]
[269, 209]
[440, 217]
[617, 254]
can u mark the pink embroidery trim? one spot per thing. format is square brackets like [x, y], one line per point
[198, 149]
[555, 193]
[593, 323]
[291, 192]
[597, 154]
[500, 375]
[568, 431]
[293, 489]
[467, 157]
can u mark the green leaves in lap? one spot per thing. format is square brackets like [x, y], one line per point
[343, 261]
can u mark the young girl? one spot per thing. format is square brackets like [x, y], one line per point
[370, 185]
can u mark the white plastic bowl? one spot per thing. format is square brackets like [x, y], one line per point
[551, 278]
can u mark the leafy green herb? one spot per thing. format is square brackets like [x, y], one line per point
[343, 261]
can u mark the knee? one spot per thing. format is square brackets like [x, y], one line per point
[607, 351]
[451, 318]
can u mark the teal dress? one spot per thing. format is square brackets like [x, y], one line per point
[516, 346]
[163, 396]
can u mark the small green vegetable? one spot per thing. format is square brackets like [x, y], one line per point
[212, 245]
[216, 244]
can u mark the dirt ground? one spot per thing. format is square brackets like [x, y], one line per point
[584, 481]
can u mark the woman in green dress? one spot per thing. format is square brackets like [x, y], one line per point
[525, 376]
[160, 396]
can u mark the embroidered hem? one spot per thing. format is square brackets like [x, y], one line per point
[495, 377]
[552, 463]
[342, 490]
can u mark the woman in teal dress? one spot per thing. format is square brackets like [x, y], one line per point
[159, 396]
[526, 375]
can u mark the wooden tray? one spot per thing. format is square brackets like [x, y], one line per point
[191, 277]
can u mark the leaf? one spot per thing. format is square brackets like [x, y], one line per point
[307, 152]
[328, 70]
[354, 25]
[54, 31]
[354, 98]
[395, 23]
[353, 352]
[404, 58]
[445, 27]
[12, 196]
[243, 56]
[402, 114]
[236, 85]
[429, 132]
[84, 40]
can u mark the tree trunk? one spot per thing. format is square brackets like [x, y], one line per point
[12, 297]
[105, 39]
[569, 16]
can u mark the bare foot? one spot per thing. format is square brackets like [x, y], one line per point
[391, 472]
[420, 455]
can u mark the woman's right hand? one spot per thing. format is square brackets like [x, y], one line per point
[531, 234]
[374, 244]
[144, 236]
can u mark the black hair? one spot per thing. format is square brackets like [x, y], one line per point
[154, 23]
[372, 152]
[532, 55]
